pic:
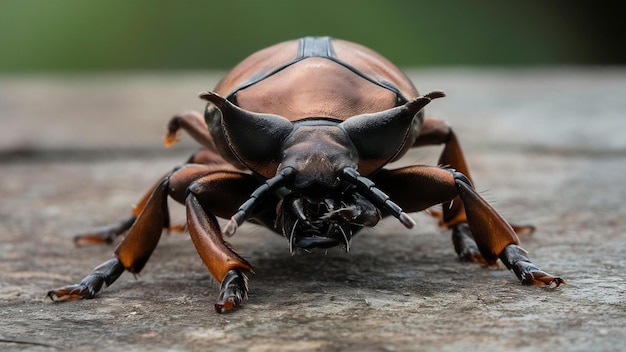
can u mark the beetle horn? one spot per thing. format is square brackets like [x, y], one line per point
[256, 139]
[378, 137]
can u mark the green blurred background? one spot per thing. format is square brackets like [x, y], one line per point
[90, 35]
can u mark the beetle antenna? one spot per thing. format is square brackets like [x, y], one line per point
[345, 238]
[369, 188]
[291, 238]
[245, 210]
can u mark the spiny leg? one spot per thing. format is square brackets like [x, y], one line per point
[516, 259]
[132, 254]
[103, 275]
[417, 188]
[496, 239]
[424, 187]
[220, 194]
[223, 263]
[142, 238]
[436, 132]
[464, 244]
[108, 234]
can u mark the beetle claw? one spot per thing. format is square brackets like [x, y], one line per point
[541, 278]
[102, 276]
[71, 293]
[514, 257]
[234, 290]
[171, 138]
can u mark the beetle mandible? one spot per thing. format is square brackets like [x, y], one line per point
[296, 138]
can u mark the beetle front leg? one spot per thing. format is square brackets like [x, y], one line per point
[220, 194]
[493, 236]
[223, 263]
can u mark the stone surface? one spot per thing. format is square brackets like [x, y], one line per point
[545, 147]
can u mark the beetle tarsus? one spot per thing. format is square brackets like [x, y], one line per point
[106, 235]
[514, 257]
[523, 230]
[234, 289]
[103, 275]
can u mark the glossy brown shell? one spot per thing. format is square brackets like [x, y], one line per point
[316, 86]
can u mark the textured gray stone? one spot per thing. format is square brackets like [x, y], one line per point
[545, 146]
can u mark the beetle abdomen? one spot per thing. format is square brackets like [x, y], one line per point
[316, 77]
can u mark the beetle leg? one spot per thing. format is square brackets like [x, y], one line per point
[516, 259]
[435, 132]
[492, 235]
[143, 235]
[103, 275]
[465, 245]
[108, 234]
[105, 235]
[223, 263]
[234, 289]
[520, 230]
[132, 253]
[193, 123]
[219, 194]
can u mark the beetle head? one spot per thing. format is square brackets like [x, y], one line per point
[312, 163]
[319, 209]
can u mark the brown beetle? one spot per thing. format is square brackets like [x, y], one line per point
[296, 138]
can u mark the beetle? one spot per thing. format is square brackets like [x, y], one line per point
[296, 138]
